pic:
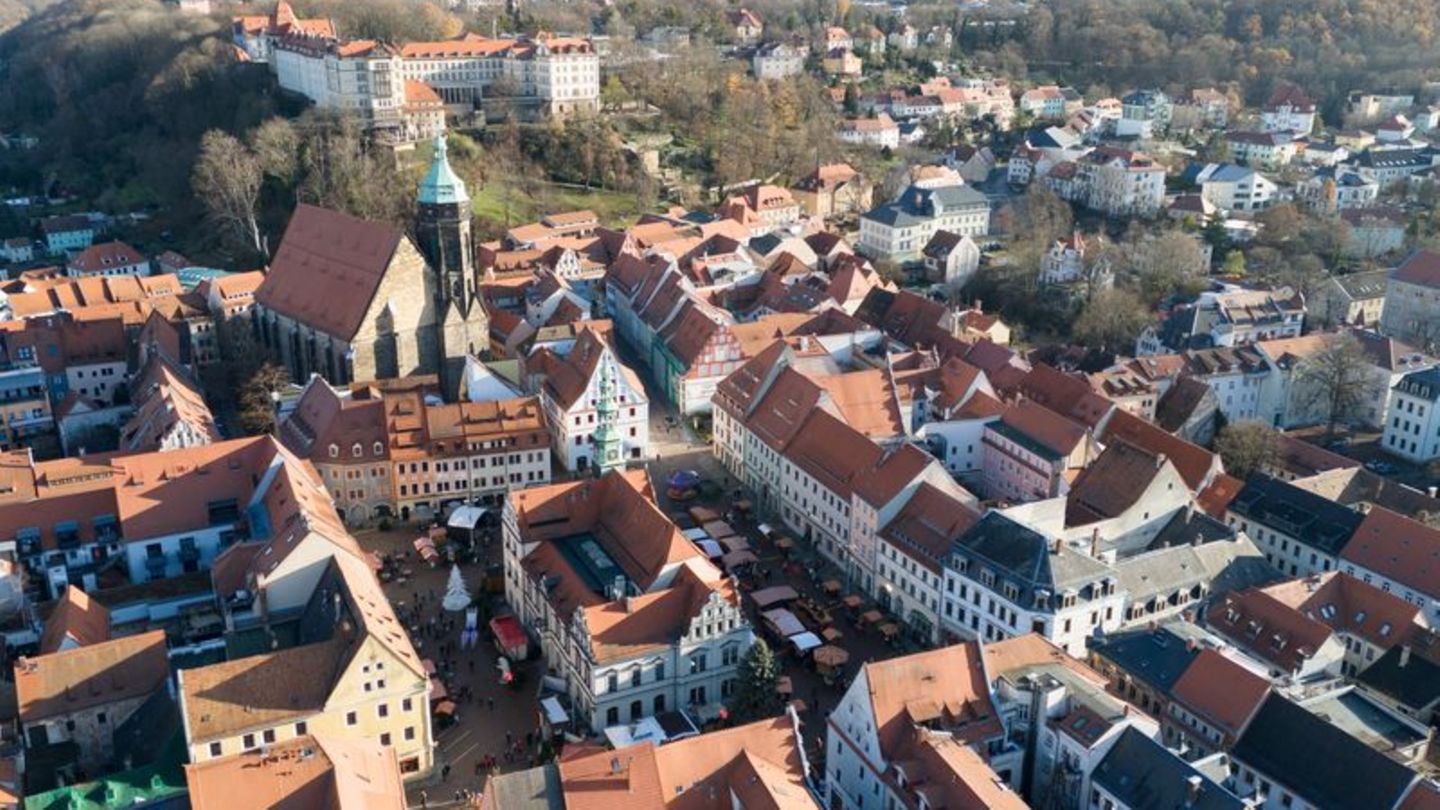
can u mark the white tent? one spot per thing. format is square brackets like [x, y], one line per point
[805, 642]
[785, 622]
[466, 517]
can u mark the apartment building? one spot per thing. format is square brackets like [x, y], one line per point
[627, 611]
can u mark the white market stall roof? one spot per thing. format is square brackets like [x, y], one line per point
[466, 517]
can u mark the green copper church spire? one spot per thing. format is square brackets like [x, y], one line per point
[441, 185]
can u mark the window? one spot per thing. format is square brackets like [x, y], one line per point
[247, 742]
[216, 749]
[268, 736]
[406, 705]
[385, 739]
[383, 710]
[301, 728]
[351, 719]
[409, 733]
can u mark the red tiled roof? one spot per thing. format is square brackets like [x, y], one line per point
[1422, 268]
[1220, 691]
[1194, 463]
[328, 269]
[1398, 548]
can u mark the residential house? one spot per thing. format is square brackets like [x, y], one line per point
[350, 671]
[170, 411]
[1295, 648]
[899, 230]
[1276, 773]
[1288, 110]
[1144, 114]
[904, 38]
[950, 259]
[842, 62]
[1066, 263]
[879, 131]
[1374, 231]
[1332, 190]
[1142, 774]
[1396, 553]
[577, 389]
[973, 163]
[1236, 188]
[902, 725]
[17, 249]
[1058, 708]
[1120, 182]
[1367, 620]
[66, 234]
[1355, 299]
[1031, 453]
[306, 771]
[1390, 361]
[1051, 102]
[1211, 703]
[72, 701]
[1412, 306]
[833, 190]
[746, 24]
[107, 259]
[1406, 678]
[1390, 165]
[1300, 532]
[777, 60]
[1412, 427]
[1004, 579]
[761, 764]
[628, 612]
[1263, 150]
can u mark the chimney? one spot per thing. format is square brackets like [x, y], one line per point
[1192, 788]
[1404, 655]
[979, 306]
[1095, 542]
[1191, 645]
[1055, 549]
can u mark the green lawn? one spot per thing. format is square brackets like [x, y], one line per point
[613, 207]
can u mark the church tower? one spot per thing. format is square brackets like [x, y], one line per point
[442, 227]
[607, 431]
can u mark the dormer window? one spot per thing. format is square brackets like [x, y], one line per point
[379, 448]
[356, 450]
[334, 451]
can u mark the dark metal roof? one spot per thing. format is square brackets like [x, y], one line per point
[1317, 761]
[1144, 776]
[1314, 520]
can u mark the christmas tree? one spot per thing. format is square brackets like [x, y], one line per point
[756, 696]
[457, 596]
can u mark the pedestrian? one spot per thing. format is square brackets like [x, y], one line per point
[445, 773]
[509, 738]
[424, 799]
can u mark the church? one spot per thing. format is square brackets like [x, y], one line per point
[355, 300]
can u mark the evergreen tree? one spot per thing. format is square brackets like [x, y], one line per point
[755, 692]
[457, 596]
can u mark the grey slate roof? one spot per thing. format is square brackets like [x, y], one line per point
[1024, 557]
[917, 205]
[1424, 384]
[1320, 763]
[1415, 685]
[1156, 657]
[530, 789]
[1316, 521]
[1143, 775]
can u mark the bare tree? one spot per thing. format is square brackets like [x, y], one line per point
[1165, 263]
[227, 180]
[1335, 380]
[1247, 448]
[1111, 320]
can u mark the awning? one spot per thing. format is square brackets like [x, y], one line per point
[555, 714]
[718, 528]
[734, 543]
[711, 548]
[702, 515]
[784, 622]
[735, 558]
[765, 597]
[694, 535]
[805, 642]
[508, 632]
[466, 517]
[764, 529]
